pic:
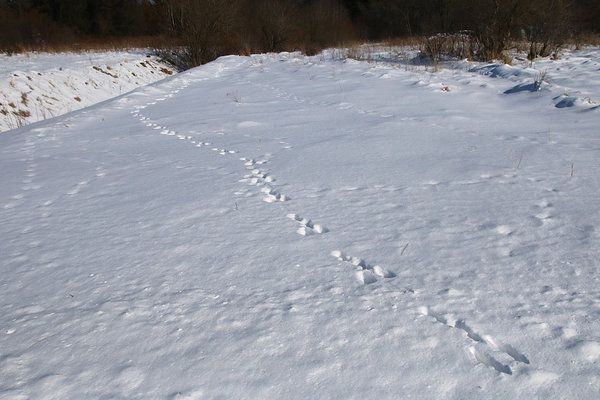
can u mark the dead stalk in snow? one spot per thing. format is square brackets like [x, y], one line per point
[404, 249]
[572, 169]
[519, 162]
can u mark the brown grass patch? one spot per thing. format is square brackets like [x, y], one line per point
[409, 41]
[103, 44]
[22, 113]
[589, 39]
[105, 72]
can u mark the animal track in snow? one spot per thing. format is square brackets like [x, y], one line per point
[223, 151]
[27, 182]
[306, 226]
[366, 273]
[544, 214]
[250, 162]
[261, 175]
[258, 177]
[285, 145]
[486, 359]
[77, 188]
[504, 230]
[283, 94]
[136, 113]
[483, 344]
[272, 195]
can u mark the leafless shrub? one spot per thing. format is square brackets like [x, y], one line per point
[458, 45]
[205, 28]
[548, 26]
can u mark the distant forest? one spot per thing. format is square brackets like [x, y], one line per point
[209, 28]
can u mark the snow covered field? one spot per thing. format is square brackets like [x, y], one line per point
[35, 86]
[280, 226]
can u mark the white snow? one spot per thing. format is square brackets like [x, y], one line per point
[37, 86]
[282, 226]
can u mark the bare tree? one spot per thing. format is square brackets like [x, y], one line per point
[494, 22]
[547, 25]
[206, 27]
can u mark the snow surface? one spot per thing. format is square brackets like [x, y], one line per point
[36, 86]
[281, 226]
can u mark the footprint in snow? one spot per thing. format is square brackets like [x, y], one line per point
[285, 145]
[544, 214]
[273, 196]
[251, 162]
[482, 344]
[366, 273]
[257, 178]
[306, 226]
[77, 188]
[223, 151]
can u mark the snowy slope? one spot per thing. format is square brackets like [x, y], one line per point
[36, 86]
[280, 226]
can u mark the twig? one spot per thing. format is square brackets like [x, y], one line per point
[520, 159]
[41, 340]
[572, 168]
[404, 249]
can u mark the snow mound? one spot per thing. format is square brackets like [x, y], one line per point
[37, 86]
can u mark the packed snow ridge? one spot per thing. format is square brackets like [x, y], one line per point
[289, 227]
[37, 86]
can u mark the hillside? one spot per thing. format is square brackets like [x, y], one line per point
[283, 226]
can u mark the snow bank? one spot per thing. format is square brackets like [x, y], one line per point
[36, 86]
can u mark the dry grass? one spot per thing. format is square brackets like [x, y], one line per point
[105, 72]
[588, 39]
[15, 119]
[102, 44]
[22, 113]
[410, 41]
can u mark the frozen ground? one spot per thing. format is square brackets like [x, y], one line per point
[36, 86]
[280, 226]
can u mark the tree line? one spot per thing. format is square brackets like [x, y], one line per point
[39, 22]
[210, 28]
